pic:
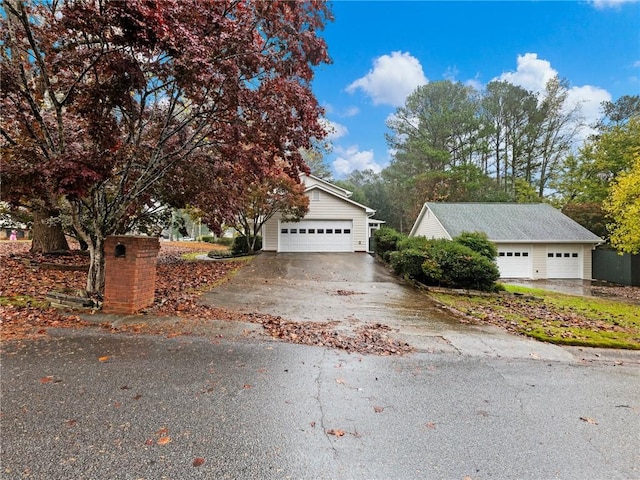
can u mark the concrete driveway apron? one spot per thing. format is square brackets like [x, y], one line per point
[352, 288]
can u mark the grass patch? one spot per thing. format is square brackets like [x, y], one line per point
[23, 301]
[553, 317]
[192, 256]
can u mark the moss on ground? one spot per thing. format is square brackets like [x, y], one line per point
[553, 317]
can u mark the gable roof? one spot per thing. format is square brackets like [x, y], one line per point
[370, 211]
[509, 222]
[311, 180]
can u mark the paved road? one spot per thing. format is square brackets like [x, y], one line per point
[260, 409]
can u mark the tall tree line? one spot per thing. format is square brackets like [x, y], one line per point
[454, 143]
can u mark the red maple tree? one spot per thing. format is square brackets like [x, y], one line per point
[111, 107]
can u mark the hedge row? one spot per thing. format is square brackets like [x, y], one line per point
[467, 261]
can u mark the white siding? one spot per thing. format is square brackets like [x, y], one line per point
[539, 253]
[430, 227]
[326, 207]
[587, 256]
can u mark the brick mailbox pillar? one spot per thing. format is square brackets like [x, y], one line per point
[130, 273]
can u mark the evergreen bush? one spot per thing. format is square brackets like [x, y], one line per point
[241, 247]
[386, 241]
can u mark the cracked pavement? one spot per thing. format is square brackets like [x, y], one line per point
[93, 405]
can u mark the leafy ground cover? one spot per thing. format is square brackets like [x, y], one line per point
[552, 317]
[180, 281]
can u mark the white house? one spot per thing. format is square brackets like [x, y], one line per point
[334, 223]
[534, 240]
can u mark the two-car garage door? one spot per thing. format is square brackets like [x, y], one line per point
[562, 261]
[316, 236]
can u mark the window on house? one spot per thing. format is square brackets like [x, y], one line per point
[347, 230]
[315, 195]
[509, 254]
[574, 255]
[525, 254]
[517, 254]
[312, 230]
[338, 230]
[321, 230]
[566, 255]
[501, 254]
[329, 230]
[303, 230]
[294, 230]
[558, 255]
[284, 230]
[550, 255]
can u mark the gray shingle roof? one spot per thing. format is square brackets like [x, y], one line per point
[535, 222]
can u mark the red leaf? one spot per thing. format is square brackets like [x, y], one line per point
[198, 461]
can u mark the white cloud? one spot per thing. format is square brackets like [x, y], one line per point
[392, 79]
[532, 73]
[589, 98]
[351, 159]
[334, 130]
[602, 4]
[351, 112]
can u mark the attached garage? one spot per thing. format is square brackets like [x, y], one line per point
[333, 223]
[316, 236]
[515, 261]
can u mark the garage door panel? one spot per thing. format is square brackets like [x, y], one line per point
[564, 261]
[515, 261]
[316, 236]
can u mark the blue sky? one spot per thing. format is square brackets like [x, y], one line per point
[383, 50]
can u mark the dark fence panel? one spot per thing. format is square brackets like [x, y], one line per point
[612, 267]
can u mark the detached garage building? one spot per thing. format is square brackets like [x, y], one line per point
[334, 223]
[534, 240]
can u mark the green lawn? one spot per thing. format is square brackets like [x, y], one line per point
[553, 317]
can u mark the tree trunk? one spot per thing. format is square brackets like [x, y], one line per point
[47, 237]
[95, 278]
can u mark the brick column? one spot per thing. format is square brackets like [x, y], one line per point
[130, 273]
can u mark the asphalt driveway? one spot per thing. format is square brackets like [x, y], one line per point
[352, 288]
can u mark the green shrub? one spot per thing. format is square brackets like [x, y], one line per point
[386, 241]
[240, 246]
[459, 266]
[208, 239]
[478, 242]
[224, 241]
[408, 262]
[420, 243]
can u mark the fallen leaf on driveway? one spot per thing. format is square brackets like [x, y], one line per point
[198, 461]
[589, 420]
[164, 440]
[337, 432]
[431, 425]
[106, 358]
[46, 379]
[378, 409]
[340, 381]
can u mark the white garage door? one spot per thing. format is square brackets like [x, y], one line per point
[515, 261]
[316, 236]
[564, 261]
